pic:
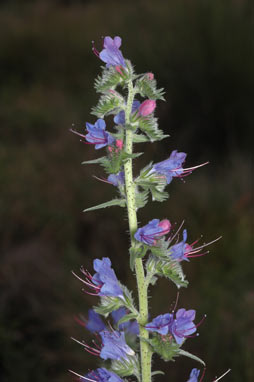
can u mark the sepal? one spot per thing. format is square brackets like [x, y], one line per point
[127, 317]
[109, 79]
[108, 305]
[141, 198]
[153, 182]
[173, 271]
[127, 367]
[164, 346]
[149, 126]
[109, 103]
[148, 88]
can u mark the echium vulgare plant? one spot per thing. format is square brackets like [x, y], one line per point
[130, 337]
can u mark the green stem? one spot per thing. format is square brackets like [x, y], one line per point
[145, 353]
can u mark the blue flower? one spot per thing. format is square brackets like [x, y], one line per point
[128, 326]
[114, 345]
[183, 325]
[97, 134]
[111, 54]
[104, 281]
[94, 323]
[116, 179]
[194, 375]
[152, 231]
[105, 278]
[160, 324]
[119, 119]
[180, 250]
[102, 375]
[171, 167]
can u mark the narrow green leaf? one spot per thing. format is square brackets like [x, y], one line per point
[127, 317]
[157, 372]
[192, 356]
[95, 161]
[114, 202]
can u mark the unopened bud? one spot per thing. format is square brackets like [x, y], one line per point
[119, 144]
[150, 76]
[147, 107]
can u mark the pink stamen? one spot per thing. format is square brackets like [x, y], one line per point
[88, 348]
[81, 322]
[95, 51]
[172, 237]
[80, 376]
[203, 374]
[88, 283]
[77, 133]
[101, 179]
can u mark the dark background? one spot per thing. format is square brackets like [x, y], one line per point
[201, 51]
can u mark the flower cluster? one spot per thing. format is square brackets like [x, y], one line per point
[130, 101]
[180, 327]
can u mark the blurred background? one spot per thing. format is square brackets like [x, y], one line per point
[201, 52]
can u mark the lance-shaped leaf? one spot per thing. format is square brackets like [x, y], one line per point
[192, 356]
[109, 103]
[141, 198]
[148, 88]
[113, 202]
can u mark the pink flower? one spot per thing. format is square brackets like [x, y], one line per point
[147, 107]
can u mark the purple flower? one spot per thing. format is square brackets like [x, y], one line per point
[172, 167]
[101, 375]
[129, 326]
[97, 135]
[119, 119]
[160, 324]
[183, 251]
[94, 323]
[183, 325]
[111, 54]
[180, 250]
[116, 179]
[153, 231]
[194, 375]
[104, 281]
[114, 345]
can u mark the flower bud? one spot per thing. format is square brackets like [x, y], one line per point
[165, 225]
[119, 144]
[147, 107]
[150, 76]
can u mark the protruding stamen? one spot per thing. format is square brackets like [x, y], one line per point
[223, 375]
[178, 230]
[80, 376]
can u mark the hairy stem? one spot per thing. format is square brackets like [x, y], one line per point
[145, 353]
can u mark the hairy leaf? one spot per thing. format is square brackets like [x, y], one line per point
[114, 202]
